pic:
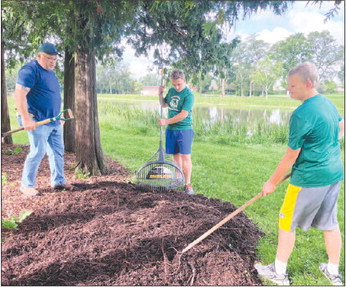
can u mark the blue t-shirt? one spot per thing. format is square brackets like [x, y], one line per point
[44, 99]
[314, 127]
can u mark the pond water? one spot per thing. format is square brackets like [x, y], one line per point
[218, 114]
[214, 115]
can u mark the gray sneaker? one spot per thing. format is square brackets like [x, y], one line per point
[188, 189]
[335, 279]
[268, 272]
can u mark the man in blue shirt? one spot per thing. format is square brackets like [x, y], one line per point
[37, 97]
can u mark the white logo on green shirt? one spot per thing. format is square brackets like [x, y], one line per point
[174, 103]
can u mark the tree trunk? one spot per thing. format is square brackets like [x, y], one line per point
[89, 154]
[69, 101]
[223, 81]
[5, 117]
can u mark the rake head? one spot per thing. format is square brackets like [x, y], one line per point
[160, 176]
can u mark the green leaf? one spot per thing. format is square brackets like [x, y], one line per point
[9, 224]
[17, 150]
[24, 214]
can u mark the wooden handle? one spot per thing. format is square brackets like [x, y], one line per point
[222, 222]
[11, 132]
[70, 114]
[20, 129]
[229, 217]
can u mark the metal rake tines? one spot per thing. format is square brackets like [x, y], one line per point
[160, 175]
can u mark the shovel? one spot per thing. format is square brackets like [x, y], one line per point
[229, 217]
[60, 117]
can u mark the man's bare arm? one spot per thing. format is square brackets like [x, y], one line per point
[21, 102]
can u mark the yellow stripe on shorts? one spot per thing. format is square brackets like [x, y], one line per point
[287, 208]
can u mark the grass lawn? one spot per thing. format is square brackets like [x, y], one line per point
[232, 170]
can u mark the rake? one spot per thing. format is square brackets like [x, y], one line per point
[227, 218]
[159, 173]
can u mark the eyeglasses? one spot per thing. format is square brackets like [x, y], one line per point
[50, 58]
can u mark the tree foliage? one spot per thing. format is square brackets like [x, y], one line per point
[188, 34]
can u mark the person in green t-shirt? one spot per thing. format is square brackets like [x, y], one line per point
[179, 132]
[313, 155]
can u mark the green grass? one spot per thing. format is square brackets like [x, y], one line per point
[226, 164]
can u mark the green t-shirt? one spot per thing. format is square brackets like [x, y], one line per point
[178, 101]
[314, 127]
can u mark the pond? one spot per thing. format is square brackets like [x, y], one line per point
[218, 114]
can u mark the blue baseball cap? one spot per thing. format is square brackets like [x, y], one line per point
[48, 48]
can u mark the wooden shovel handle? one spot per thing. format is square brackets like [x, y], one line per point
[40, 123]
[230, 216]
[20, 129]
[70, 114]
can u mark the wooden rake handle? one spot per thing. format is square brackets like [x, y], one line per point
[230, 216]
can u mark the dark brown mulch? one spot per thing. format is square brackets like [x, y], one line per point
[108, 232]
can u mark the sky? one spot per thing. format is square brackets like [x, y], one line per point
[270, 28]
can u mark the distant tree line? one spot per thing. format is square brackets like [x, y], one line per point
[256, 67]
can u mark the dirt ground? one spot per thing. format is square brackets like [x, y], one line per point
[109, 232]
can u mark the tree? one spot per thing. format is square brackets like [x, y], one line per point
[187, 34]
[330, 86]
[326, 54]
[245, 57]
[293, 50]
[13, 33]
[150, 79]
[341, 74]
[5, 118]
[266, 73]
[69, 100]
[98, 25]
[90, 29]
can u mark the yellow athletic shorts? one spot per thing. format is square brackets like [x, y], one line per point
[309, 206]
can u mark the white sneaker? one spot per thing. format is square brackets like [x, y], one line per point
[28, 191]
[268, 272]
[335, 279]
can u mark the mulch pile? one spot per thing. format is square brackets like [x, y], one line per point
[109, 232]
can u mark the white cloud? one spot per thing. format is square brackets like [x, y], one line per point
[299, 18]
[306, 22]
[311, 18]
[273, 36]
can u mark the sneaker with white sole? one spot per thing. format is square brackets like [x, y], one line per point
[188, 189]
[335, 279]
[28, 191]
[268, 272]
